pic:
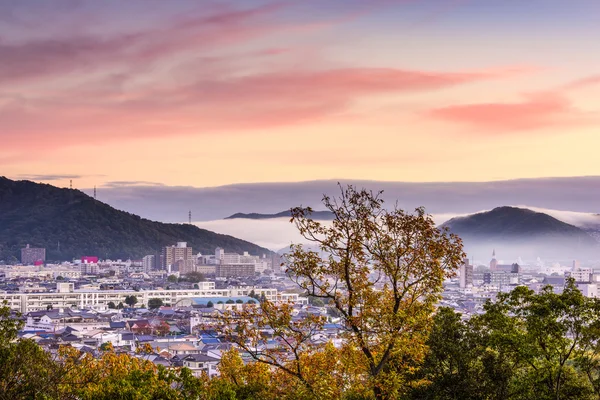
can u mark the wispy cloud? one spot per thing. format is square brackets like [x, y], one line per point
[39, 58]
[585, 82]
[120, 184]
[48, 178]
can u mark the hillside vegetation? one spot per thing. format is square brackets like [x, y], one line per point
[45, 216]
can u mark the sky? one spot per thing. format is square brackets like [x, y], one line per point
[152, 94]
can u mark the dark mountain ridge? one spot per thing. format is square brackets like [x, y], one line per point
[527, 232]
[44, 216]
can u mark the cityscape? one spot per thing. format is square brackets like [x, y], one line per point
[299, 200]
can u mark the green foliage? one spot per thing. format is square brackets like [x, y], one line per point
[153, 304]
[210, 304]
[229, 301]
[239, 301]
[525, 345]
[315, 301]
[111, 305]
[172, 278]
[131, 300]
[192, 277]
[44, 215]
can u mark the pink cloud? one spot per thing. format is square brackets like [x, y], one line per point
[535, 112]
[214, 104]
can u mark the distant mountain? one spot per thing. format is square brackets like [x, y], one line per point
[524, 231]
[44, 216]
[318, 215]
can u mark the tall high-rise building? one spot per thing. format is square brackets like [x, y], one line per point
[150, 262]
[31, 255]
[466, 274]
[178, 258]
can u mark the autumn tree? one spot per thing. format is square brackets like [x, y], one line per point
[380, 269]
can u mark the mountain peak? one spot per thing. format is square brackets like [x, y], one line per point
[532, 232]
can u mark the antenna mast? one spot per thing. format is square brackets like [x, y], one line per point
[190, 217]
[71, 184]
[94, 192]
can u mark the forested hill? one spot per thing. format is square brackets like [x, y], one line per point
[523, 232]
[44, 216]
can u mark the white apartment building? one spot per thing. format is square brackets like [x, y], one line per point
[582, 274]
[40, 272]
[99, 299]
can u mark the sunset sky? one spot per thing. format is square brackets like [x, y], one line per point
[208, 93]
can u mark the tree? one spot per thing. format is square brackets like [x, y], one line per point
[229, 301]
[383, 273]
[239, 301]
[193, 277]
[549, 335]
[153, 304]
[315, 301]
[131, 300]
[172, 278]
[525, 345]
[60, 278]
[111, 305]
[120, 306]
[49, 307]
[210, 304]
[26, 370]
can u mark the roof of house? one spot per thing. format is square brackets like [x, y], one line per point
[200, 358]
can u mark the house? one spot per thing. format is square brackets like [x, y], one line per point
[141, 326]
[200, 363]
[182, 348]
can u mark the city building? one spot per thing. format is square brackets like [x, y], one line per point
[68, 297]
[235, 270]
[89, 265]
[496, 267]
[236, 265]
[581, 275]
[178, 258]
[32, 255]
[501, 278]
[150, 262]
[466, 274]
